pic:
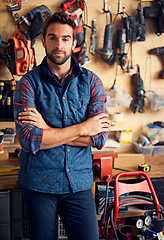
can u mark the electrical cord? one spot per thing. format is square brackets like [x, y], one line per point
[124, 201]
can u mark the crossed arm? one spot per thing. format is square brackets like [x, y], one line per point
[76, 135]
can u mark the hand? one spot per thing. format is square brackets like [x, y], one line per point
[96, 124]
[33, 117]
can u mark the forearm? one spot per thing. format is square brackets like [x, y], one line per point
[81, 142]
[54, 137]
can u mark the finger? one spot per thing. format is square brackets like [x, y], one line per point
[103, 115]
[30, 123]
[105, 120]
[27, 113]
[30, 109]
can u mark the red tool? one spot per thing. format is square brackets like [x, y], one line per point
[102, 165]
[102, 168]
[14, 7]
[80, 49]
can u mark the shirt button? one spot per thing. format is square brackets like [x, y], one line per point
[67, 169]
[83, 107]
[68, 150]
[64, 98]
[66, 117]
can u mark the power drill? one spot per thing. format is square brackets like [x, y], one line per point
[80, 50]
[160, 52]
[157, 13]
[108, 53]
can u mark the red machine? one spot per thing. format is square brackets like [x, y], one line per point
[102, 165]
[80, 50]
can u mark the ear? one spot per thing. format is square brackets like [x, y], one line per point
[74, 44]
[43, 42]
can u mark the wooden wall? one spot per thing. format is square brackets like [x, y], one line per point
[150, 66]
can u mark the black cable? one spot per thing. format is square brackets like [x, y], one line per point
[124, 201]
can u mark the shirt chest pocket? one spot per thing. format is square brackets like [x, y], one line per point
[77, 105]
[49, 106]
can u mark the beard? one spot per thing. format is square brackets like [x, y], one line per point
[58, 60]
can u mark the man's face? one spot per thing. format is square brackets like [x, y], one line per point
[59, 43]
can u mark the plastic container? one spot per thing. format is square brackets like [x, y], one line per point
[158, 150]
[111, 102]
[118, 96]
[9, 138]
[156, 100]
[125, 102]
[146, 150]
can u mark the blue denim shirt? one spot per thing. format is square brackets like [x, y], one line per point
[64, 168]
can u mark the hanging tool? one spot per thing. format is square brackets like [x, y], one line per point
[15, 6]
[159, 52]
[35, 21]
[4, 98]
[108, 53]
[93, 46]
[138, 101]
[29, 17]
[3, 45]
[21, 54]
[119, 6]
[157, 14]
[5, 92]
[1, 89]
[120, 42]
[80, 50]
[12, 91]
[1, 95]
[140, 27]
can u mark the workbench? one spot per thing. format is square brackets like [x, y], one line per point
[129, 161]
[124, 161]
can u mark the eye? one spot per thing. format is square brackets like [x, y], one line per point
[52, 38]
[66, 39]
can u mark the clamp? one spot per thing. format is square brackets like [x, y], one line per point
[102, 165]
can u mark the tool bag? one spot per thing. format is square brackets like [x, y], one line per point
[21, 55]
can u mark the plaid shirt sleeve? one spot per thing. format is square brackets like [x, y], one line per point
[97, 105]
[29, 137]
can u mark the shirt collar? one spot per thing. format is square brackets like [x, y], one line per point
[76, 69]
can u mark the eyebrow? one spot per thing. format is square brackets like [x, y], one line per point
[54, 35]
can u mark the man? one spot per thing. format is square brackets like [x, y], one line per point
[60, 113]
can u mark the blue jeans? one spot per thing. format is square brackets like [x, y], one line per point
[77, 212]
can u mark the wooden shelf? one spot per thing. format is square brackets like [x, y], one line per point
[119, 126]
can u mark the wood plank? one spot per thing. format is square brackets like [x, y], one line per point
[129, 161]
[4, 156]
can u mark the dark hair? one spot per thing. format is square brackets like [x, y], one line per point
[60, 17]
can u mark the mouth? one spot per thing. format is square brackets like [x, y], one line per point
[58, 53]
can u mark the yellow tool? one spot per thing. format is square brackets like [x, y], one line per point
[9, 171]
[1, 89]
[144, 167]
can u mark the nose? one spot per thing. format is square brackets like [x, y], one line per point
[59, 43]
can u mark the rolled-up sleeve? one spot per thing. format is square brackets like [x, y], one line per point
[96, 106]
[29, 137]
